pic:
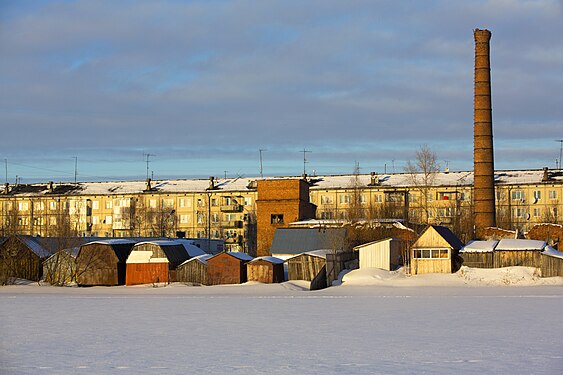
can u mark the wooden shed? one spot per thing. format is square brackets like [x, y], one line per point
[193, 270]
[60, 268]
[386, 254]
[306, 266]
[21, 257]
[435, 251]
[154, 262]
[103, 262]
[517, 252]
[551, 262]
[266, 270]
[478, 254]
[227, 268]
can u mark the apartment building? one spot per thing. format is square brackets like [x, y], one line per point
[226, 208]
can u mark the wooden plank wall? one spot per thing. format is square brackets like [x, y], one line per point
[551, 266]
[478, 260]
[192, 272]
[265, 272]
[420, 266]
[524, 258]
[146, 273]
[304, 267]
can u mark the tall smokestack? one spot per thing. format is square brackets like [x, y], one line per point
[483, 158]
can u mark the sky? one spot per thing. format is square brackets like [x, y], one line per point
[202, 86]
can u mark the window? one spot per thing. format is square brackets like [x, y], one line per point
[430, 253]
[109, 204]
[537, 195]
[40, 206]
[152, 203]
[276, 219]
[214, 202]
[215, 217]
[95, 205]
[248, 201]
[228, 201]
[22, 221]
[518, 195]
[500, 195]
[519, 212]
[413, 197]
[52, 220]
[168, 203]
[95, 220]
[109, 219]
[326, 199]
[344, 199]
[446, 212]
[537, 212]
[182, 202]
[200, 202]
[552, 194]
[378, 198]
[327, 215]
[200, 218]
[363, 199]
[445, 196]
[184, 219]
[38, 221]
[230, 217]
[23, 206]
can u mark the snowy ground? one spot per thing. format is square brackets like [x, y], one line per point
[376, 322]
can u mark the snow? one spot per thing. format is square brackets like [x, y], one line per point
[517, 244]
[552, 252]
[316, 253]
[270, 259]
[241, 256]
[115, 241]
[479, 246]
[434, 324]
[200, 258]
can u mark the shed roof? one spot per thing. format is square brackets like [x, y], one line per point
[479, 246]
[200, 258]
[356, 248]
[520, 245]
[449, 236]
[269, 259]
[315, 253]
[552, 252]
[300, 240]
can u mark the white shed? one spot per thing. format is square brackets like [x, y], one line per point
[385, 254]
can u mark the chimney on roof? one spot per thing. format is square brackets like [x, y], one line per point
[374, 179]
[6, 188]
[50, 187]
[483, 156]
[211, 183]
[148, 186]
[545, 176]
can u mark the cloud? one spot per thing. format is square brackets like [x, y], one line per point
[217, 80]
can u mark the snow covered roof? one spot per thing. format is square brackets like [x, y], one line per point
[114, 241]
[552, 252]
[200, 258]
[246, 184]
[518, 244]
[238, 255]
[479, 246]
[270, 259]
[316, 253]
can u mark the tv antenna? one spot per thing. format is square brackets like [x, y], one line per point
[305, 160]
[560, 150]
[261, 170]
[147, 160]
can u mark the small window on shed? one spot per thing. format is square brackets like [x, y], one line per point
[276, 219]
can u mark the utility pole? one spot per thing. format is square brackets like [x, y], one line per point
[147, 157]
[261, 170]
[75, 167]
[305, 160]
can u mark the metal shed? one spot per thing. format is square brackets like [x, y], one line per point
[227, 268]
[386, 254]
[193, 270]
[154, 262]
[103, 262]
[435, 251]
[60, 268]
[517, 252]
[266, 270]
[478, 254]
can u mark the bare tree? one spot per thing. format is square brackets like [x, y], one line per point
[422, 174]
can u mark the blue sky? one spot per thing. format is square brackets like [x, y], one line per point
[203, 85]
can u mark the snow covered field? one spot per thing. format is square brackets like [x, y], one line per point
[376, 322]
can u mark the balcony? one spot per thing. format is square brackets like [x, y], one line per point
[231, 207]
[232, 224]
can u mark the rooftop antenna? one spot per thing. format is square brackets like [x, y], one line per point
[226, 175]
[305, 160]
[560, 150]
[6, 165]
[147, 159]
[261, 170]
[75, 167]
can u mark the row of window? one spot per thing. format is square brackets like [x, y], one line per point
[430, 253]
